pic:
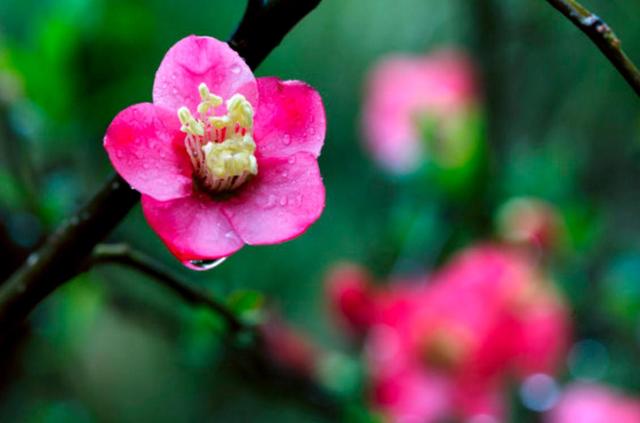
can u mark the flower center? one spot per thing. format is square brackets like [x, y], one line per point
[221, 148]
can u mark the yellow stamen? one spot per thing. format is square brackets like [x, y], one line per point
[221, 148]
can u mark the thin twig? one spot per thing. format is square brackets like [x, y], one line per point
[124, 255]
[252, 359]
[262, 28]
[602, 36]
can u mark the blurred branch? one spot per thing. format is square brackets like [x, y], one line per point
[124, 255]
[252, 358]
[262, 28]
[602, 36]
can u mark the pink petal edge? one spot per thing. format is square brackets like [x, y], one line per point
[290, 118]
[193, 228]
[145, 146]
[194, 60]
[284, 199]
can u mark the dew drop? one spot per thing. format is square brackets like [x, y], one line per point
[312, 131]
[202, 265]
[292, 160]
[283, 201]
[236, 69]
[286, 140]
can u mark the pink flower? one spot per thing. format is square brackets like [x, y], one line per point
[445, 346]
[406, 92]
[221, 158]
[590, 403]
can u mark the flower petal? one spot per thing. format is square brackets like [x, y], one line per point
[284, 199]
[194, 60]
[290, 118]
[193, 228]
[146, 148]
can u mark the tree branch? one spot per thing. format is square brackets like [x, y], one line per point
[265, 24]
[602, 36]
[124, 255]
[262, 28]
[253, 359]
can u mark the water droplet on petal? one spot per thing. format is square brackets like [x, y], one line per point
[202, 265]
[292, 160]
[283, 201]
[286, 140]
[312, 131]
[236, 69]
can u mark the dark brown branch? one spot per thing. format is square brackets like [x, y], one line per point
[261, 30]
[265, 24]
[124, 255]
[602, 36]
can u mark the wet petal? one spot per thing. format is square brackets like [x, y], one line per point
[146, 148]
[283, 200]
[290, 119]
[194, 60]
[193, 228]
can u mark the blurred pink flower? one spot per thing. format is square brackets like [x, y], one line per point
[221, 158]
[444, 347]
[590, 403]
[402, 92]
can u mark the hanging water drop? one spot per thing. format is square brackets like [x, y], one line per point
[202, 265]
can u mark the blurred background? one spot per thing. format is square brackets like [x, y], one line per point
[552, 120]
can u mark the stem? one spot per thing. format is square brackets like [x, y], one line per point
[124, 255]
[260, 31]
[602, 36]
